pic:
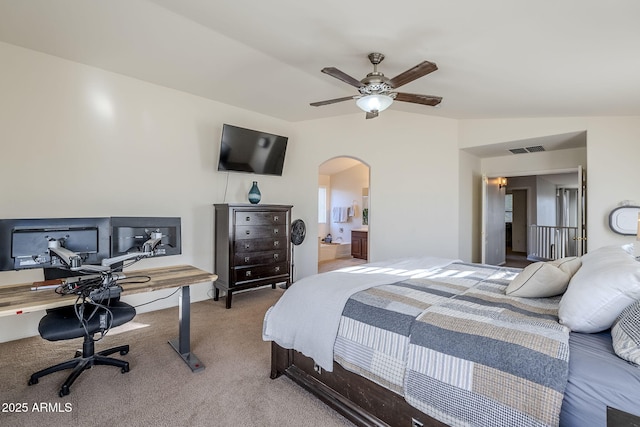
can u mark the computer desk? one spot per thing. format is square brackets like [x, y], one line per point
[19, 298]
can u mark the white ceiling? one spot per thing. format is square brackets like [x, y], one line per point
[496, 58]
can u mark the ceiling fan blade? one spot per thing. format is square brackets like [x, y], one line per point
[372, 115]
[422, 69]
[334, 72]
[418, 99]
[332, 101]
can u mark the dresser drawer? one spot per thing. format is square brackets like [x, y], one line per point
[247, 274]
[260, 232]
[259, 245]
[260, 218]
[257, 258]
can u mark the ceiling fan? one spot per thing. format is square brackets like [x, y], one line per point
[377, 91]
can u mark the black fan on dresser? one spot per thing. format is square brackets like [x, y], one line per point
[298, 233]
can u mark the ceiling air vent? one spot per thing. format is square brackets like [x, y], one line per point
[534, 149]
[518, 150]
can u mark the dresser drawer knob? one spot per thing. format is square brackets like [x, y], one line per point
[275, 256]
[246, 259]
[247, 273]
[276, 218]
[247, 245]
[248, 219]
[248, 232]
[276, 243]
[275, 231]
[277, 269]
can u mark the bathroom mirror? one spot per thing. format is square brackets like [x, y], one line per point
[365, 206]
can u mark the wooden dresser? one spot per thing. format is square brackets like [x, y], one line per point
[359, 244]
[252, 247]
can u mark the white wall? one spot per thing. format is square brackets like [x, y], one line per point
[470, 200]
[413, 162]
[535, 163]
[613, 150]
[546, 202]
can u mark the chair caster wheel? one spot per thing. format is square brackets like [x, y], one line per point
[32, 381]
[125, 369]
[64, 391]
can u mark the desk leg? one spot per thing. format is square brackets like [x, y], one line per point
[182, 343]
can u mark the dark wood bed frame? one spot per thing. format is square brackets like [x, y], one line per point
[366, 403]
[361, 401]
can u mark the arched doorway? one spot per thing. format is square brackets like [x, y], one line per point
[343, 213]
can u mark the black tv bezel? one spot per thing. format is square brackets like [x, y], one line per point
[226, 127]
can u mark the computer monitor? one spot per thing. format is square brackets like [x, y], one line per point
[24, 243]
[128, 234]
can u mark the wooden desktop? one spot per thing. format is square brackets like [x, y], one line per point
[20, 298]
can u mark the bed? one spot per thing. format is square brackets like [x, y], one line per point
[433, 342]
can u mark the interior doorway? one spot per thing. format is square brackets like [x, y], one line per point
[516, 221]
[343, 213]
[543, 217]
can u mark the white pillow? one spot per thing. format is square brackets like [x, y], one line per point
[569, 264]
[625, 334]
[628, 248]
[607, 282]
[538, 280]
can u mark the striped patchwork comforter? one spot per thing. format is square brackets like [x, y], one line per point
[459, 349]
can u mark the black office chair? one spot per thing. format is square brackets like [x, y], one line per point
[63, 323]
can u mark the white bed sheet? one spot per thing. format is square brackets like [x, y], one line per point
[307, 316]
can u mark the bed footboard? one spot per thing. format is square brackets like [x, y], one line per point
[361, 401]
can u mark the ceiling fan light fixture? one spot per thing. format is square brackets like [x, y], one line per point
[375, 102]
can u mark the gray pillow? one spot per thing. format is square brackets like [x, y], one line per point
[625, 334]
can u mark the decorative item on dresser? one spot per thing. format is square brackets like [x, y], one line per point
[254, 194]
[252, 247]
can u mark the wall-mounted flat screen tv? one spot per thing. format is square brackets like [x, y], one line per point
[252, 151]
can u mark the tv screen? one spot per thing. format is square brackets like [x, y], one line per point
[246, 150]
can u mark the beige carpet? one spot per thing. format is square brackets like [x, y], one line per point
[160, 390]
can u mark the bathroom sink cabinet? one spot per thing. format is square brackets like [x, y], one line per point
[359, 244]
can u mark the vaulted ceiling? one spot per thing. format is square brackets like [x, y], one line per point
[496, 58]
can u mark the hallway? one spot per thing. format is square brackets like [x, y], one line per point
[516, 259]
